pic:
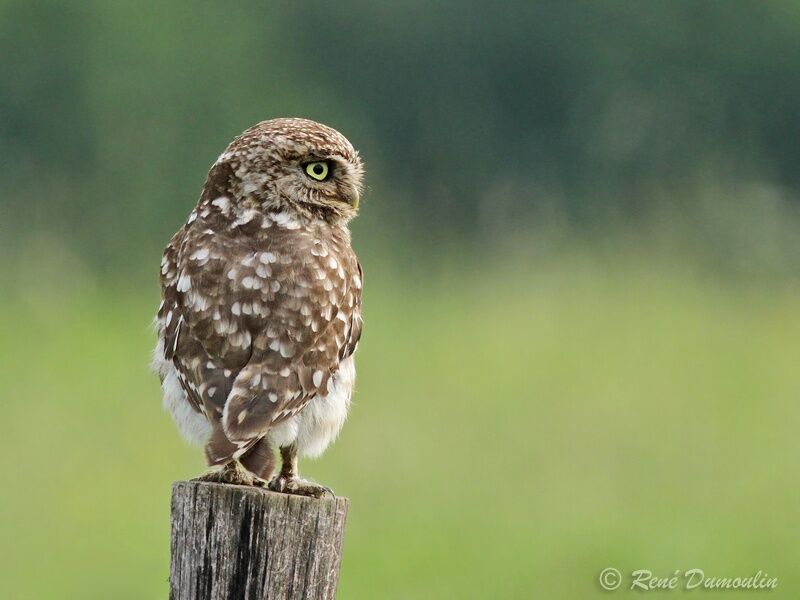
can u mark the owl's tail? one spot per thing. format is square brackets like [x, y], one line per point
[256, 455]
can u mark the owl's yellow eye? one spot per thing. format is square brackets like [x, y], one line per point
[317, 170]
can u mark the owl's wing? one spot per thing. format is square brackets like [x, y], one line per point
[169, 320]
[355, 323]
[186, 319]
[257, 330]
[314, 323]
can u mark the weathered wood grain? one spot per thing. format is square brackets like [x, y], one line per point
[240, 543]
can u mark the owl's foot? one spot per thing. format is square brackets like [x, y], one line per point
[231, 473]
[299, 487]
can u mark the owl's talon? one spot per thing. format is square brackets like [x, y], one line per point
[298, 487]
[232, 474]
[276, 484]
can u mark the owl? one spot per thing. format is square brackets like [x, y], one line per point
[261, 305]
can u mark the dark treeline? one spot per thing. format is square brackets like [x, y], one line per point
[466, 113]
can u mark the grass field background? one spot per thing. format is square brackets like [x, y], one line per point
[580, 232]
[517, 428]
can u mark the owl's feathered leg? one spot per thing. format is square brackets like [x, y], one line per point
[288, 480]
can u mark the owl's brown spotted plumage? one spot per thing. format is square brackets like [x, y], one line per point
[261, 310]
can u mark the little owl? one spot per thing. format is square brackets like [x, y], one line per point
[261, 304]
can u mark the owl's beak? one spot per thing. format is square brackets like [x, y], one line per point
[354, 197]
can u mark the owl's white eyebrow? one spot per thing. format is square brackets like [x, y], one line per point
[309, 158]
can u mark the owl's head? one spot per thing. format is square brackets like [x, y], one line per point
[289, 164]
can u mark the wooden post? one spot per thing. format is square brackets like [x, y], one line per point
[241, 543]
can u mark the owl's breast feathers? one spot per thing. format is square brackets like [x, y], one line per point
[257, 320]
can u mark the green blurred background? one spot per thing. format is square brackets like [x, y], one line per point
[580, 236]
